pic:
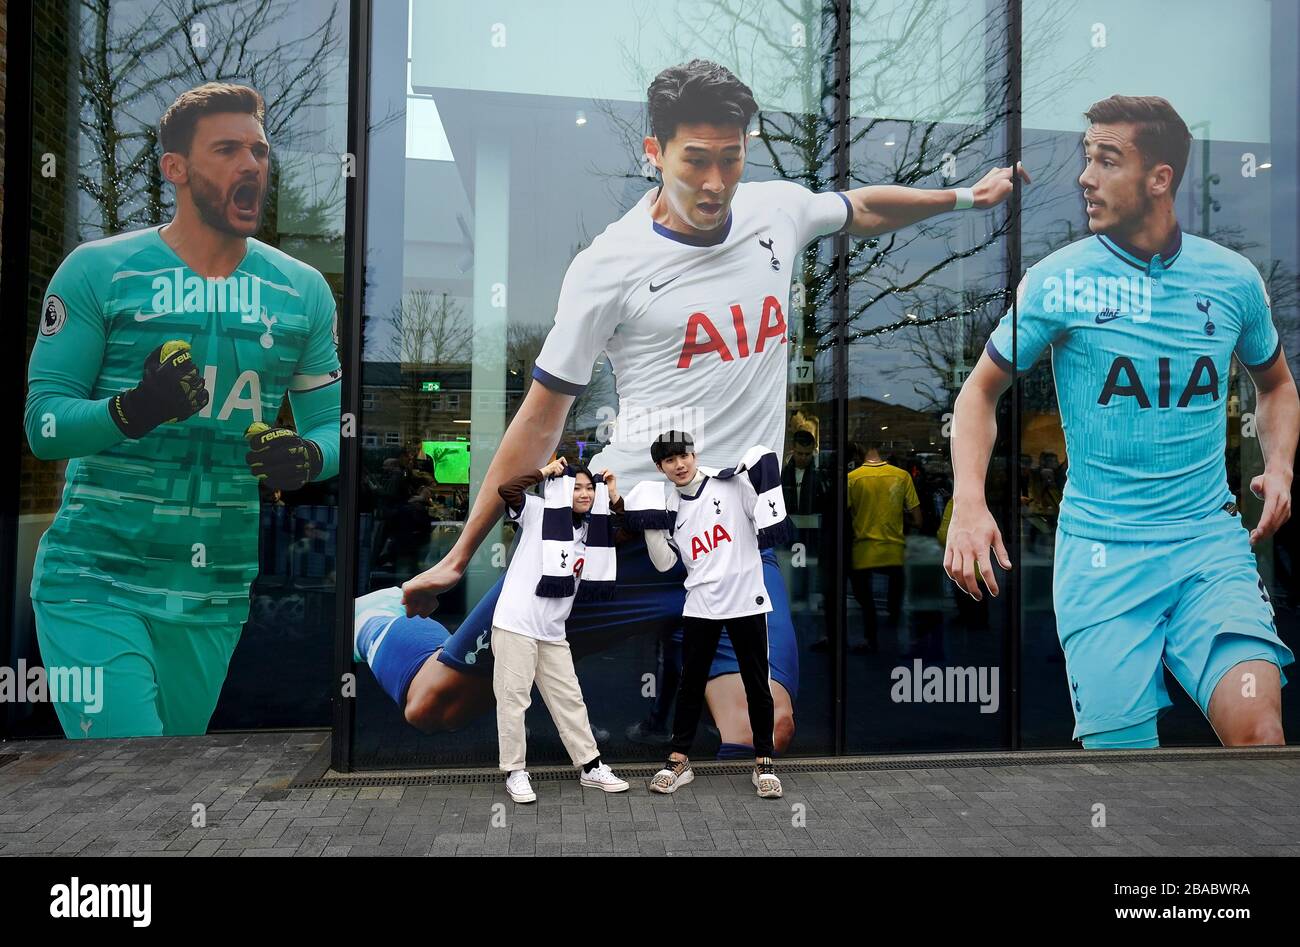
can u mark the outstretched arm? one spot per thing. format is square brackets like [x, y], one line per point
[881, 208]
[526, 446]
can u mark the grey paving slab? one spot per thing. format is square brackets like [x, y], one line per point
[232, 796]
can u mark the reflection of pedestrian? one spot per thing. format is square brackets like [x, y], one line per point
[1044, 501]
[420, 461]
[805, 492]
[973, 614]
[408, 530]
[878, 495]
[655, 729]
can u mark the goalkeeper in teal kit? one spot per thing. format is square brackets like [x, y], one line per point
[162, 358]
[1154, 568]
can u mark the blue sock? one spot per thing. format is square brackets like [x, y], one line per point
[735, 751]
[397, 648]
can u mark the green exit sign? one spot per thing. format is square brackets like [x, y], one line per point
[431, 386]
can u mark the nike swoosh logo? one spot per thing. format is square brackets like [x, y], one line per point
[1103, 318]
[678, 526]
[655, 289]
[141, 316]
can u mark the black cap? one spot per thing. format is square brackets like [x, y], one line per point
[670, 444]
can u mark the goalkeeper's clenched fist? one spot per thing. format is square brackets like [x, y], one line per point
[172, 390]
[281, 457]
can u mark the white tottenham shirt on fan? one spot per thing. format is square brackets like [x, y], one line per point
[695, 329]
[715, 536]
[519, 608]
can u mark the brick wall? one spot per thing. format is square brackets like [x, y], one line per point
[53, 217]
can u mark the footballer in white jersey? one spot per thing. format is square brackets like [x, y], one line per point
[696, 329]
[688, 294]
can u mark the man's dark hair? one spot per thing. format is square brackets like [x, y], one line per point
[670, 444]
[1161, 134]
[176, 127]
[701, 92]
[803, 438]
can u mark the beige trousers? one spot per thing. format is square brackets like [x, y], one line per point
[521, 661]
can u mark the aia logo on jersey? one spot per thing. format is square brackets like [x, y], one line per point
[771, 325]
[1123, 381]
[709, 541]
[577, 568]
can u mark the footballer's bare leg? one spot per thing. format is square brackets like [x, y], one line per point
[725, 696]
[1246, 707]
[442, 698]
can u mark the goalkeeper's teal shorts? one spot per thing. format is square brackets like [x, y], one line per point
[134, 675]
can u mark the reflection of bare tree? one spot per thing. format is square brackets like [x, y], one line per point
[430, 333]
[948, 81]
[137, 57]
[944, 340]
[428, 329]
[1279, 278]
[523, 344]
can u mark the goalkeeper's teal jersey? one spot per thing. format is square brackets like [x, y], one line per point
[1141, 349]
[168, 524]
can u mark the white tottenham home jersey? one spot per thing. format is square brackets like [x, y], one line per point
[716, 538]
[695, 328]
[519, 608]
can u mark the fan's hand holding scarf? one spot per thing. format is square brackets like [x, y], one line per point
[559, 545]
[652, 504]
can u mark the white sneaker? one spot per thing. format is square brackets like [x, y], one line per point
[602, 777]
[674, 775]
[519, 788]
[765, 781]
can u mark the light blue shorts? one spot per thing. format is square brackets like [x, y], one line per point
[1197, 606]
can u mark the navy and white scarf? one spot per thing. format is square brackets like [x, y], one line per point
[559, 544]
[649, 506]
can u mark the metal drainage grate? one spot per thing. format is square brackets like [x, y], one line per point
[457, 777]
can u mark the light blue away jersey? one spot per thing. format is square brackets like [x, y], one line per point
[1140, 354]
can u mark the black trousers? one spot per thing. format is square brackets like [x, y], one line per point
[860, 582]
[700, 637]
